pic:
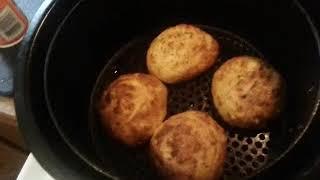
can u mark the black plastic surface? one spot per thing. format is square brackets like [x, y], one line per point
[43, 139]
[38, 129]
[95, 31]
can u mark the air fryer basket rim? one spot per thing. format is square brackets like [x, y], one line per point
[96, 166]
[21, 94]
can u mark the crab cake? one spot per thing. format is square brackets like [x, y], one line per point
[132, 107]
[181, 53]
[189, 146]
[247, 92]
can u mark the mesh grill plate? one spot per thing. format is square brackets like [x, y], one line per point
[247, 152]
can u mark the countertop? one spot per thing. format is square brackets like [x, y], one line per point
[32, 170]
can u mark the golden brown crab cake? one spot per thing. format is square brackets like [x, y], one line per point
[247, 92]
[181, 53]
[189, 146]
[132, 107]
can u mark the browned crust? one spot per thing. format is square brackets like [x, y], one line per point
[189, 145]
[247, 92]
[181, 53]
[132, 107]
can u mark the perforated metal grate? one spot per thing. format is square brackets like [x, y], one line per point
[247, 152]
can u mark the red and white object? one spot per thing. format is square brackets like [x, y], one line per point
[13, 24]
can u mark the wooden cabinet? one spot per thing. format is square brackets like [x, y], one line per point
[13, 151]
